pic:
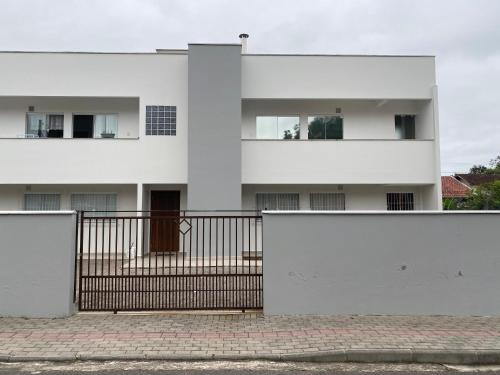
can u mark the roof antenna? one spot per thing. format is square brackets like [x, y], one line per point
[243, 38]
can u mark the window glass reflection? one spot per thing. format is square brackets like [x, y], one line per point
[325, 127]
[278, 127]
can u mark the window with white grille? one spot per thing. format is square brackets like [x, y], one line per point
[327, 201]
[101, 203]
[277, 201]
[400, 202]
[42, 202]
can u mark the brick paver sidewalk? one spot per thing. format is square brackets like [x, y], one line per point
[250, 336]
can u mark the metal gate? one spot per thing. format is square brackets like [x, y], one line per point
[125, 261]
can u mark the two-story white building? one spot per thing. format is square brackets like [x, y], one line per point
[212, 127]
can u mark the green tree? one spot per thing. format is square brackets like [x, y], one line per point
[326, 127]
[316, 129]
[494, 167]
[450, 204]
[478, 169]
[287, 134]
[483, 197]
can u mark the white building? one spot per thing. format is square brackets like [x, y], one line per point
[115, 131]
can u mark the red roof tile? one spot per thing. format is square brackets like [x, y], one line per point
[452, 188]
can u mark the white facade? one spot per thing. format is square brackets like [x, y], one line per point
[367, 92]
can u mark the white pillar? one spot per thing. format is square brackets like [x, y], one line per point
[68, 125]
[437, 152]
[304, 127]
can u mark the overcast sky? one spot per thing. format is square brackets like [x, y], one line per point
[464, 36]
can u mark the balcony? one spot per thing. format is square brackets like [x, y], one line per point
[69, 117]
[51, 140]
[338, 161]
[87, 161]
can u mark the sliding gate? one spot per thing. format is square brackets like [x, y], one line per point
[137, 261]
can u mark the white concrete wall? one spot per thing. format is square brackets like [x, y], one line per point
[156, 159]
[263, 76]
[425, 263]
[12, 196]
[150, 76]
[338, 162]
[349, 77]
[37, 264]
[425, 123]
[357, 197]
[61, 80]
[13, 112]
[363, 119]
[156, 79]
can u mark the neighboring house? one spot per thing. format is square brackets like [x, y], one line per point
[473, 180]
[453, 188]
[212, 127]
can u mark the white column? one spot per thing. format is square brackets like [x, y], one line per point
[304, 129]
[68, 124]
[437, 153]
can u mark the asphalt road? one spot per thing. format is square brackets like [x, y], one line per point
[237, 368]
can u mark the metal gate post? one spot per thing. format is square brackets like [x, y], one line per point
[82, 215]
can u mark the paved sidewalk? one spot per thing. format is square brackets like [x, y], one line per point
[470, 340]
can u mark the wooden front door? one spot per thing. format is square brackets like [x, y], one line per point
[164, 232]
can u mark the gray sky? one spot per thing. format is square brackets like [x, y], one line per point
[464, 35]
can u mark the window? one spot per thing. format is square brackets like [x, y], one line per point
[103, 202]
[42, 202]
[161, 120]
[105, 126]
[278, 127]
[44, 125]
[405, 126]
[95, 126]
[327, 201]
[277, 201]
[325, 127]
[400, 202]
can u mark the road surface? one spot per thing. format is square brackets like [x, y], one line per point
[236, 368]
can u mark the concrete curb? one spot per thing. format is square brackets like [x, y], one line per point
[455, 357]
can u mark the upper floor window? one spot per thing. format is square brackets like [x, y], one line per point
[42, 202]
[278, 127]
[405, 126]
[277, 201]
[325, 127]
[95, 126]
[44, 125]
[400, 202]
[105, 126]
[327, 201]
[161, 120]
